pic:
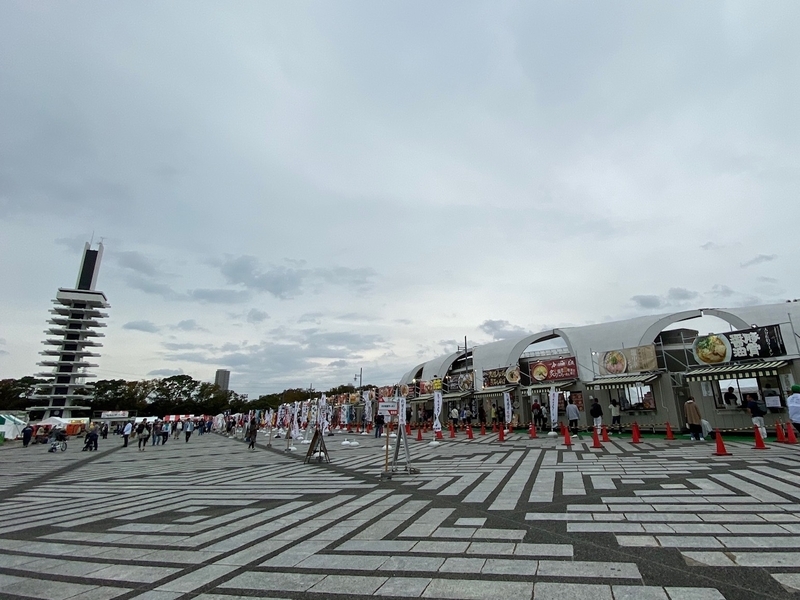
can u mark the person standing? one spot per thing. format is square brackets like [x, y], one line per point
[615, 418]
[252, 431]
[756, 414]
[165, 431]
[693, 419]
[156, 433]
[494, 414]
[573, 415]
[482, 415]
[188, 428]
[793, 402]
[379, 423]
[126, 433]
[178, 428]
[730, 398]
[454, 417]
[596, 412]
[104, 431]
[27, 434]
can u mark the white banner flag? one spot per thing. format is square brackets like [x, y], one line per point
[437, 410]
[401, 410]
[553, 407]
[507, 406]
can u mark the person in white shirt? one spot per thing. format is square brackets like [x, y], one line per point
[793, 402]
[615, 418]
[126, 433]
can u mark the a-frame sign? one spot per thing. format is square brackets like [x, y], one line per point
[317, 450]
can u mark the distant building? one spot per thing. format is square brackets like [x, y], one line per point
[222, 379]
[72, 336]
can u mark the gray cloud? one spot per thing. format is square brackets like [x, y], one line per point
[256, 316]
[757, 260]
[710, 246]
[648, 301]
[721, 291]
[500, 329]
[681, 294]
[338, 363]
[165, 372]
[288, 282]
[135, 261]
[188, 325]
[219, 296]
[146, 326]
[768, 279]
[310, 318]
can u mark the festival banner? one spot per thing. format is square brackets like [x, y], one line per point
[401, 410]
[507, 405]
[437, 410]
[553, 407]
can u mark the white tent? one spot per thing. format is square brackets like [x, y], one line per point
[11, 426]
[53, 422]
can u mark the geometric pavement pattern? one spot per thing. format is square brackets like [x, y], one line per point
[524, 518]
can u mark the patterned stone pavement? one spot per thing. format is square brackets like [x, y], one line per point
[525, 518]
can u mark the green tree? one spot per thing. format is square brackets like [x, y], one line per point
[15, 394]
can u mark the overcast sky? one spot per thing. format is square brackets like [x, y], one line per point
[296, 190]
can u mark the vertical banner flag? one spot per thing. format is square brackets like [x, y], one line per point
[507, 406]
[401, 410]
[304, 414]
[553, 407]
[295, 425]
[367, 408]
[437, 404]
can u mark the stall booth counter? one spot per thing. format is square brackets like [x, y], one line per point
[769, 382]
[638, 396]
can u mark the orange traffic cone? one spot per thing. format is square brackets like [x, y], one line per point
[419, 434]
[779, 435]
[567, 438]
[604, 431]
[439, 435]
[469, 433]
[721, 451]
[532, 431]
[637, 439]
[494, 427]
[502, 436]
[452, 431]
[595, 439]
[670, 435]
[369, 427]
[760, 445]
[791, 438]
[483, 428]
[408, 428]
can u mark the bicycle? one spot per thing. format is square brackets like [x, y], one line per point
[57, 445]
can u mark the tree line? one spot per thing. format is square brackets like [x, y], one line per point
[179, 394]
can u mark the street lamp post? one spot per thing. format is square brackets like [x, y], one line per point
[359, 377]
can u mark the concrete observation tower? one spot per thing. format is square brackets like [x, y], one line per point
[72, 336]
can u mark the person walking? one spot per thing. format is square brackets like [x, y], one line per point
[573, 415]
[143, 435]
[694, 422]
[104, 431]
[188, 428]
[756, 414]
[27, 434]
[126, 433]
[156, 433]
[793, 403]
[165, 431]
[252, 431]
[482, 415]
[454, 417]
[178, 428]
[596, 412]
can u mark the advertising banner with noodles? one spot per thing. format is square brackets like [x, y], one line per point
[628, 360]
[734, 346]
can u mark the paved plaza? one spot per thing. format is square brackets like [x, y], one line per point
[209, 519]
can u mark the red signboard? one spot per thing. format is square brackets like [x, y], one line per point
[554, 370]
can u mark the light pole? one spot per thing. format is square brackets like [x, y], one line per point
[359, 377]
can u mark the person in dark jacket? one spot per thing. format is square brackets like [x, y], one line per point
[596, 412]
